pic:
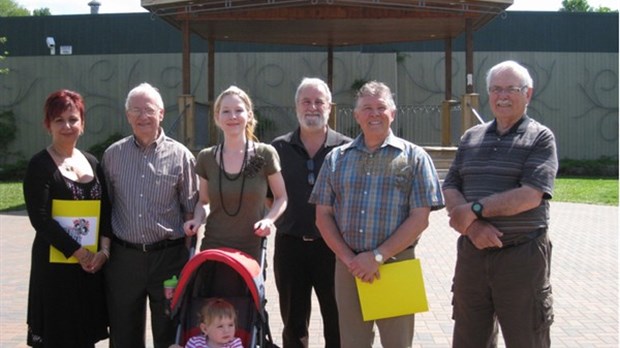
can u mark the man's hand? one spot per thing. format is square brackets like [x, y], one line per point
[191, 227]
[364, 266]
[461, 218]
[484, 235]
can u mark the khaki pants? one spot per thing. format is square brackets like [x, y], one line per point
[354, 332]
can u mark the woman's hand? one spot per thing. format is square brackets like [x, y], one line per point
[264, 227]
[85, 258]
[99, 259]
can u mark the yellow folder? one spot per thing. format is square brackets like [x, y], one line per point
[80, 219]
[400, 291]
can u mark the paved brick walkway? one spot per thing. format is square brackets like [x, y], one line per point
[584, 276]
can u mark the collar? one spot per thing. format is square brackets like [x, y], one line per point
[519, 127]
[158, 141]
[390, 140]
[331, 140]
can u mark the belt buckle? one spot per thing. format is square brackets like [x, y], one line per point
[307, 239]
[144, 248]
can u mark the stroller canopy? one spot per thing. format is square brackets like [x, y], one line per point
[245, 266]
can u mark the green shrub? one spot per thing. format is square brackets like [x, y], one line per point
[602, 167]
[13, 171]
[98, 149]
[8, 129]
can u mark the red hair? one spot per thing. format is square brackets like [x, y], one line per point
[59, 101]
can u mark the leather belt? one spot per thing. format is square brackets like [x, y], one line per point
[524, 238]
[149, 247]
[407, 248]
[303, 238]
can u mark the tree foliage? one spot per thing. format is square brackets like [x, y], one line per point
[575, 6]
[581, 6]
[10, 8]
[42, 12]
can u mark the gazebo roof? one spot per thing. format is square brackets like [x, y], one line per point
[327, 22]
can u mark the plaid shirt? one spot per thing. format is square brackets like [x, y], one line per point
[373, 193]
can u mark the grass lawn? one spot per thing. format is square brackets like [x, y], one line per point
[11, 196]
[602, 191]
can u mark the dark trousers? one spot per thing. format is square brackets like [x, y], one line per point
[300, 266]
[509, 286]
[132, 276]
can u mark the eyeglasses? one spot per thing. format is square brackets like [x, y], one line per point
[310, 167]
[147, 111]
[319, 103]
[511, 90]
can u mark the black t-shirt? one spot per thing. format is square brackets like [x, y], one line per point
[299, 217]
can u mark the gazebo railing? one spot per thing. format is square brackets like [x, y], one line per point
[420, 124]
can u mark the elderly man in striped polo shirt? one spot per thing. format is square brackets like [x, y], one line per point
[497, 194]
[153, 189]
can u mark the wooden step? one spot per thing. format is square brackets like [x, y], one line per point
[442, 156]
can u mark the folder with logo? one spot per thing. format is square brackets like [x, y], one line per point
[80, 219]
[400, 291]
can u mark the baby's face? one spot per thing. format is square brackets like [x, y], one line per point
[220, 331]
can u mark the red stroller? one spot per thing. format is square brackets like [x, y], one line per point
[229, 274]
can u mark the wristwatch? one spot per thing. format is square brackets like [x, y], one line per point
[378, 256]
[477, 208]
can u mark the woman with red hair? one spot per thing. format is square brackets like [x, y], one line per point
[67, 205]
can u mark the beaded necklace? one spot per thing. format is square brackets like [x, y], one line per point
[232, 178]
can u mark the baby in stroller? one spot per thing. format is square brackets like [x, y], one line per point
[217, 323]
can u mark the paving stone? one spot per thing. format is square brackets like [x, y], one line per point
[584, 276]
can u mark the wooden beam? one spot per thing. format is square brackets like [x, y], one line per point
[322, 13]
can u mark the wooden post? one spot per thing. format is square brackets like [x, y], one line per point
[332, 122]
[211, 92]
[187, 123]
[446, 121]
[469, 56]
[187, 111]
[186, 65]
[446, 105]
[448, 68]
[470, 100]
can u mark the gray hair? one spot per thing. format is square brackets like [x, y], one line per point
[313, 82]
[510, 65]
[376, 89]
[147, 90]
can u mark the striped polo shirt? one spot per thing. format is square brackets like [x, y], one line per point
[487, 163]
[151, 188]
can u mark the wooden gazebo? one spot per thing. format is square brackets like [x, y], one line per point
[329, 24]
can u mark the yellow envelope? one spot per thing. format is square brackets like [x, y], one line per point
[80, 219]
[400, 291]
